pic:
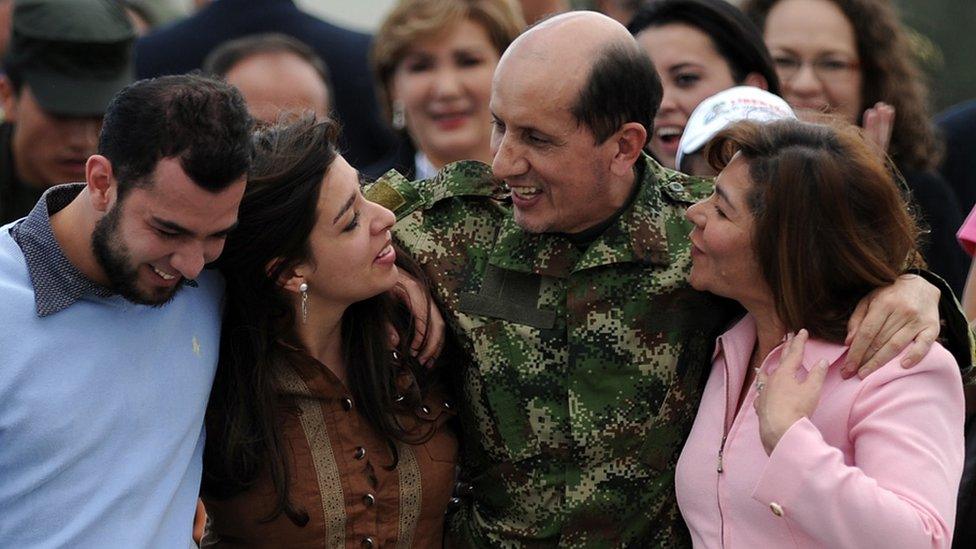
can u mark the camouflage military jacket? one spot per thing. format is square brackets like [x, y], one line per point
[586, 367]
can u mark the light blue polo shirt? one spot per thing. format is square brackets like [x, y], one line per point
[101, 400]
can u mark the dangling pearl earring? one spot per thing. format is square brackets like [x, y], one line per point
[303, 289]
[399, 116]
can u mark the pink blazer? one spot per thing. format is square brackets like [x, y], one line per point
[877, 466]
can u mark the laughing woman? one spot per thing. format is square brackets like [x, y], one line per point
[320, 433]
[805, 221]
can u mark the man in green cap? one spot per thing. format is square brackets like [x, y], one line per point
[66, 60]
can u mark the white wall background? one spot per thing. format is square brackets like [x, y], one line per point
[359, 14]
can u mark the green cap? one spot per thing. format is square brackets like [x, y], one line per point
[74, 54]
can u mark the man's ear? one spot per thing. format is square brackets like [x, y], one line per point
[8, 99]
[101, 182]
[629, 142]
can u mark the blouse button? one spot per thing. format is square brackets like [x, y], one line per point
[347, 404]
[360, 453]
[369, 500]
[367, 542]
[776, 508]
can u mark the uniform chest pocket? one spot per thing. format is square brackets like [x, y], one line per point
[505, 390]
[508, 295]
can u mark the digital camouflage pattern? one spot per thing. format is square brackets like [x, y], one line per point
[587, 367]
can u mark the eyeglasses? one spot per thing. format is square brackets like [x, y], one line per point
[826, 69]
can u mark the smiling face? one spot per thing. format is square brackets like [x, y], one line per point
[818, 36]
[352, 252]
[559, 176]
[722, 253]
[691, 70]
[444, 83]
[158, 235]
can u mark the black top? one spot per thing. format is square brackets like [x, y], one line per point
[938, 211]
[16, 197]
[182, 46]
[958, 126]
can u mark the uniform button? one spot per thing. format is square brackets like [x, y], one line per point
[464, 489]
[347, 404]
[360, 453]
[369, 500]
[453, 505]
[676, 187]
[776, 508]
[368, 542]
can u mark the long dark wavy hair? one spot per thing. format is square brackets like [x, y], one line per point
[276, 217]
[891, 74]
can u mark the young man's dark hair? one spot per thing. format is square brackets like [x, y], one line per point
[201, 121]
[622, 87]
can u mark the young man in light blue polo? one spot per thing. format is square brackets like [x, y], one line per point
[109, 326]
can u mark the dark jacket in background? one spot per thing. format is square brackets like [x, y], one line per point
[938, 211]
[16, 197]
[182, 47]
[958, 125]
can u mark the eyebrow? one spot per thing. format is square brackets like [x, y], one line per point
[179, 229]
[719, 191]
[684, 65]
[345, 207]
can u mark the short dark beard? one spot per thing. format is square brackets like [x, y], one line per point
[113, 257]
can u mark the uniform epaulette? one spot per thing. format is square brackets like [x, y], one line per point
[464, 178]
[679, 186]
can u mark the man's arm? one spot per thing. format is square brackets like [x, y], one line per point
[907, 314]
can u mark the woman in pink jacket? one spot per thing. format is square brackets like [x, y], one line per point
[804, 222]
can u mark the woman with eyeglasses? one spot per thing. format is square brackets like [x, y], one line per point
[850, 58]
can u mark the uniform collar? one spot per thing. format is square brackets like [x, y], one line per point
[639, 235]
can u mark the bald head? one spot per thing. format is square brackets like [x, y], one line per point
[590, 63]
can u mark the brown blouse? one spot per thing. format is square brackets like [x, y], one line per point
[338, 473]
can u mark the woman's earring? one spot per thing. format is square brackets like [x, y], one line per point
[303, 289]
[399, 116]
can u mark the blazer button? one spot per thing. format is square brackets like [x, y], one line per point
[369, 500]
[776, 508]
[368, 542]
[347, 404]
[360, 453]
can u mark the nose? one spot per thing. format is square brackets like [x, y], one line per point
[191, 257]
[695, 214]
[668, 102]
[447, 83]
[382, 219]
[509, 160]
[82, 133]
[805, 82]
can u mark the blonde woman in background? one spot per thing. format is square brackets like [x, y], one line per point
[433, 61]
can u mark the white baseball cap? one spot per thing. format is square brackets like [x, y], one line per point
[724, 108]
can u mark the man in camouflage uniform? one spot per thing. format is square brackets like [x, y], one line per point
[588, 347]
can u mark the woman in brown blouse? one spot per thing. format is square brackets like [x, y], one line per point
[320, 432]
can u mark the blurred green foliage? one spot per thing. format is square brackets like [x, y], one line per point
[944, 39]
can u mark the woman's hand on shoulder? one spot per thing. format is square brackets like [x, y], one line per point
[782, 399]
